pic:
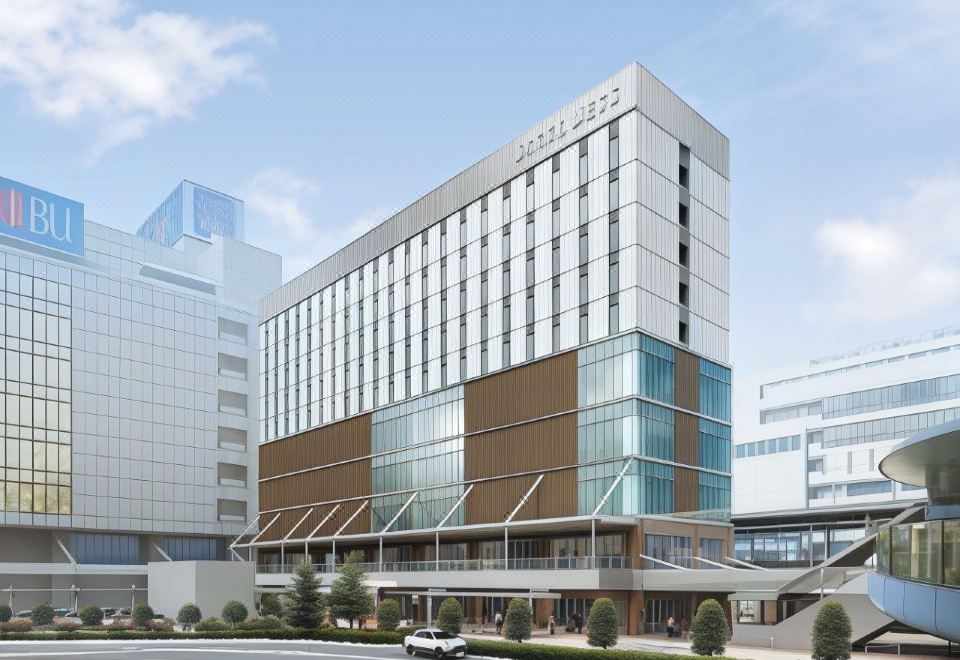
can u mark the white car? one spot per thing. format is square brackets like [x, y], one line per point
[435, 642]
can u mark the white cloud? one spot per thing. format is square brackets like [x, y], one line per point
[911, 42]
[99, 61]
[285, 216]
[902, 262]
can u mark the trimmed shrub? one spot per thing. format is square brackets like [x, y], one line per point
[450, 616]
[270, 605]
[65, 626]
[141, 614]
[304, 600]
[160, 625]
[90, 615]
[518, 622]
[388, 614]
[16, 625]
[261, 623]
[213, 624]
[602, 625]
[709, 629]
[234, 612]
[831, 633]
[349, 598]
[5, 613]
[189, 616]
[41, 614]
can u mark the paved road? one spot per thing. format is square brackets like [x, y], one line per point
[209, 649]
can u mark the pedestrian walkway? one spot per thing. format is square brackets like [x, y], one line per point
[659, 643]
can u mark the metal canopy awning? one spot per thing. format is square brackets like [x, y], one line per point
[754, 595]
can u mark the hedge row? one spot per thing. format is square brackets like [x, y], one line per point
[524, 651]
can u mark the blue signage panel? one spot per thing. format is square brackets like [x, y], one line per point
[35, 215]
[165, 225]
[213, 213]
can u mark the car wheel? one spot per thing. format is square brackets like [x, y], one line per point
[438, 652]
[409, 650]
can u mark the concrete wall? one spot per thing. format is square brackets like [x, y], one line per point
[208, 584]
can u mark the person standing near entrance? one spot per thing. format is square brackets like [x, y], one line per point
[684, 630]
[670, 626]
[578, 620]
[498, 620]
[551, 623]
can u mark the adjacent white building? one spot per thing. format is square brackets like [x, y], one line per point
[129, 391]
[809, 440]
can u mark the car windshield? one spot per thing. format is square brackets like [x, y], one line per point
[443, 635]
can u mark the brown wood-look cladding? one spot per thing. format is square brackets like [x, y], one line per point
[321, 446]
[326, 484]
[687, 439]
[686, 490]
[687, 381]
[528, 392]
[492, 501]
[525, 448]
[288, 519]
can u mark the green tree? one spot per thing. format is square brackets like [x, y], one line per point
[349, 598]
[5, 613]
[450, 616]
[90, 615]
[518, 623]
[388, 614]
[709, 629]
[270, 605]
[189, 616]
[142, 614]
[234, 612]
[304, 600]
[831, 633]
[602, 625]
[41, 614]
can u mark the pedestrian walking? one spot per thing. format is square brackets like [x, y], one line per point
[552, 623]
[670, 626]
[498, 620]
[578, 619]
[684, 630]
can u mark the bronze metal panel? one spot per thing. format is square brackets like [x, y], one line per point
[326, 484]
[687, 382]
[685, 490]
[548, 443]
[321, 446]
[493, 501]
[687, 439]
[528, 392]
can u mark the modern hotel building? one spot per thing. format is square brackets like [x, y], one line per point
[129, 382]
[523, 372]
[810, 441]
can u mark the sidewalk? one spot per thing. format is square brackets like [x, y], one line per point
[659, 643]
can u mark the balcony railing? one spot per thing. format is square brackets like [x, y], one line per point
[529, 564]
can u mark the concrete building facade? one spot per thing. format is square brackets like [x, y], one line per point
[129, 375]
[522, 375]
[810, 441]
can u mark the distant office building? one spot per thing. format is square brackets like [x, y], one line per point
[810, 440]
[129, 391]
[521, 378]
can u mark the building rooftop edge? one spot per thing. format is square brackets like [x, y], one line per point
[389, 233]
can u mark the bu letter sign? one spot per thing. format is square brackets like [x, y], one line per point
[34, 215]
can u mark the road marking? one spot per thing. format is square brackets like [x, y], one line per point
[199, 649]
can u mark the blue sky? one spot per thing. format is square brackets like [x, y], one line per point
[327, 117]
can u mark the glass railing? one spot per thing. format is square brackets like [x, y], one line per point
[525, 564]
[921, 552]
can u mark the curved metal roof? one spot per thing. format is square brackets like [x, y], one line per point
[930, 459]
